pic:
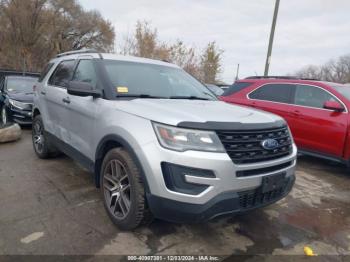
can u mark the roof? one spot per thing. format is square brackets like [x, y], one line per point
[289, 80]
[97, 55]
[281, 77]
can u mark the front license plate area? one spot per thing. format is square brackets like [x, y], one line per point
[272, 182]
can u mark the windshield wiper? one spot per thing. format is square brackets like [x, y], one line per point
[189, 97]
[140, 96]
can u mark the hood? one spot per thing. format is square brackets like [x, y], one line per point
[22, 97]
[174, 111]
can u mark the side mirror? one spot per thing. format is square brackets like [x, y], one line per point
[78, 88]
[333, 105]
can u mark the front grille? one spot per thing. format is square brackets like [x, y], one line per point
[245, 146]
[254, 198]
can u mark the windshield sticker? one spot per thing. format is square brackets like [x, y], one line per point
[122, 89]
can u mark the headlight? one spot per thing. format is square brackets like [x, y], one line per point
[290, 134]
[181, 139]
[20, 105]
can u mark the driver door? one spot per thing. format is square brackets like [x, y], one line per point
[82, 110]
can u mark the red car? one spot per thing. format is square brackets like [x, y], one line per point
[317, 112]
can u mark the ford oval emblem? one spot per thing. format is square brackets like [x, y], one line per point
[269, 144]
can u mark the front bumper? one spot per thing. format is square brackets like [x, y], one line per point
[224, 180]
[151, 155]
[222, 204]
[224, 190]
[21, 117]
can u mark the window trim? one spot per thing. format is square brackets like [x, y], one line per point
[55, 69]
[292, 104]
[42, 76]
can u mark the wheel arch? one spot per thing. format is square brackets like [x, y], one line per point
[113, 141]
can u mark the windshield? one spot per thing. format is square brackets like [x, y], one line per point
[342, 89]
[149, 80]
[20, 85]
[215, 89]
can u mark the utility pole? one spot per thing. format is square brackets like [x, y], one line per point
[272, 34]
[237, 72]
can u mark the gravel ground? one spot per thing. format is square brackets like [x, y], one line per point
[52, 207]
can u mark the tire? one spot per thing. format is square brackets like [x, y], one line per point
[5, 118]
[123, 190]
[41, 144]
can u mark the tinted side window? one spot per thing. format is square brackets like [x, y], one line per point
[45, 71]
[85, 72]
[311, 96]
[274, 92]
[62, 74]
[236, 87]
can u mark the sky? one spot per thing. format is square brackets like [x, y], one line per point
[307, 31]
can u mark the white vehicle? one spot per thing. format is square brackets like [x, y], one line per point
[157, 141]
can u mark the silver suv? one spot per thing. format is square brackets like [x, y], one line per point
[157, 141]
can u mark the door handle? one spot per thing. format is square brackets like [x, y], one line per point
[296, 113]
[66, 100]
[43, 93]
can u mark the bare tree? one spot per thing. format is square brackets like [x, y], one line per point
[127, 45]
[185, 57]
[32, 31]
[335, 70]
[146, 40]
[145, 43]
[210, 63]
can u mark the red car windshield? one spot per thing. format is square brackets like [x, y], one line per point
[236, 87]
[342, 89]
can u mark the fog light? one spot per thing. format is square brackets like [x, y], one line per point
[174, 177]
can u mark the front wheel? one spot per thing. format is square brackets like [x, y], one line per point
[122, 190]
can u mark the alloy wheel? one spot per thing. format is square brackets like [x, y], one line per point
[116, 186]
[38, 136]
[3, 116]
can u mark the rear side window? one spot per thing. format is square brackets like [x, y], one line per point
[274, 92]
[312, 96]
[45, 71]
[236, 87]
[63, 74]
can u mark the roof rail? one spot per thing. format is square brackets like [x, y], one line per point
[81, 51]
[6, 72]
[281, 77]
